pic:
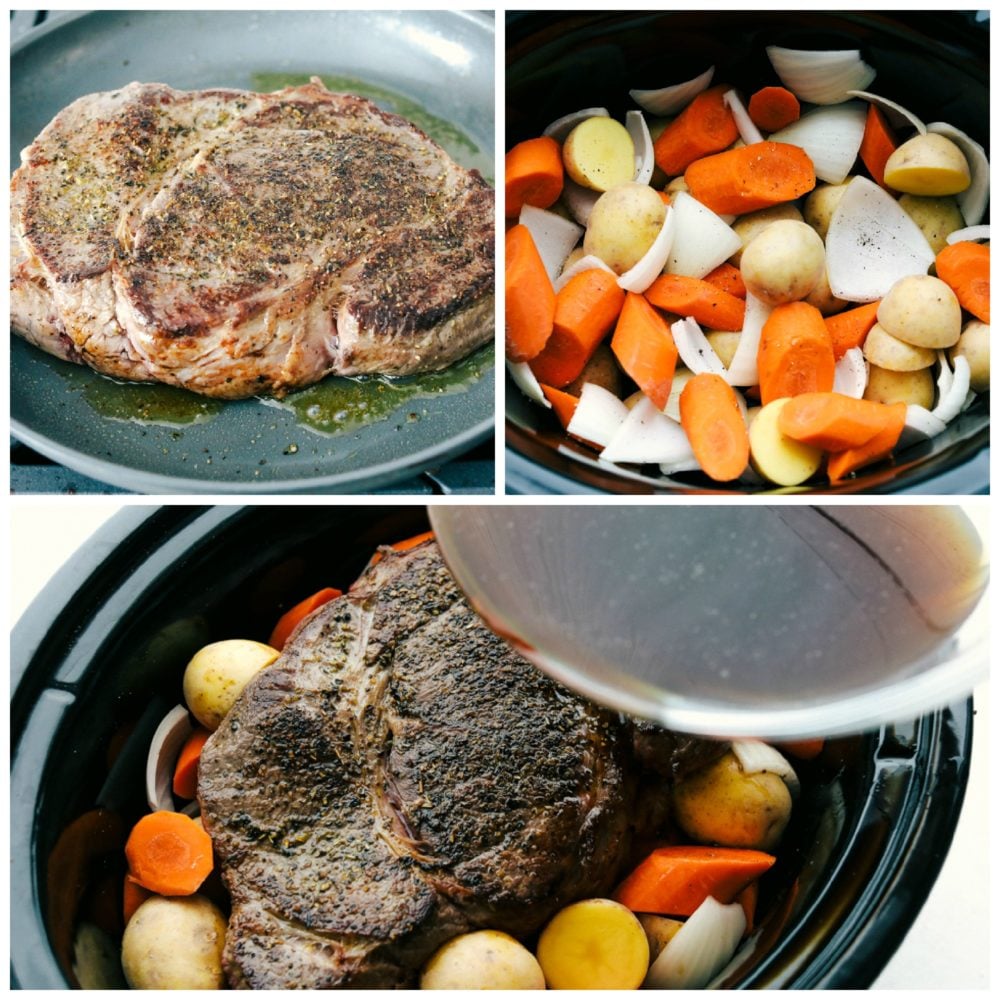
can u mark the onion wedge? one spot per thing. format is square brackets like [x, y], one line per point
[743, 368]
[749, 132]
[971, 234]
[646, 270]
[702, 240]
[756, 757]
[920, 425]
[588, 263]
[950, 403]
[898, 115]
[562, 127]
[673, 408]
[524, 379]
[169, 738]
[694, 349]
[579, 200]
[598, 415]
[821, 77]
[647, 436]
[850, 374]
[670, 100]
[830, 136]
[972, 201]
[636, 126]
[554, 236]
[872, 243]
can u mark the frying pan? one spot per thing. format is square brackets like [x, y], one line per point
[441, 60]
[936, 64]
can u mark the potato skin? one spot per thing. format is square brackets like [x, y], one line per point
[721, 805]
[916, 388]
[623, 224]
[218, 673]
[821, 204]
[935, 217]
[482, 960]
[923, 311]
[750, 225]
[886, 351]
[602, 369]
[974, 346]
[175, 944]
[783, 263]
[929, 165]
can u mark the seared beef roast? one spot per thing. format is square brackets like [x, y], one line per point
[236, 243]
[400, 776]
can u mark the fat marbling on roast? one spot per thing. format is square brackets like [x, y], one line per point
[400, 776]
[236, 243]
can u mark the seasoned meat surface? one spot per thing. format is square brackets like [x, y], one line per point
[399, 776]
[237, 243]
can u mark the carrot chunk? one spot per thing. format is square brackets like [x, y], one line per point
[705, 126]
[186, 772]
[729, 279]
[169, 854]
[965, 268]
[533, 175]
[751, 177]
[708, 304]
[877, 144]
[529, 299]
[795, 354]
[842, 463]
[713, 422]
[291, 618]
[834, 422]
[644, 347]
[563, 404]
[133, 896]
[772, 108]
[848, 329]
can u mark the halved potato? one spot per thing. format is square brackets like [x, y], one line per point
[921, 310]
[883, 349]
[929, 165]
[974, 346]
[599, 154]
[776, 457]
[916, 388]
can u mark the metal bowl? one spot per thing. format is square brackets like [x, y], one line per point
[98, 657]
[936, 64]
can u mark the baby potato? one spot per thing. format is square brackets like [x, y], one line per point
[916, 388]
[677, 184]
[886, 351]
[748, 226]
[724, 343]
[623, 224]
[921, 310]
[823, 299]
[596, 944]
[929, 165]
[482, 960]
[603, 370]
[776, 457]
[974, 346]
[721, 805]
[218, 673]
[784, 262]
[935, 217]
[821, 204]
[175, 943]
[574, 255]
[659, 931]
[599, 154]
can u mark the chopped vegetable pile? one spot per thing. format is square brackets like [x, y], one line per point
[765, 291]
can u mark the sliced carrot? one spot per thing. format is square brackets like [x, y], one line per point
[751, 177]
[747, 898]
[832, 421]
[587, 307]
[708, 304]
[186, 772]
[729, 279]
[533, 175]
[664, 197]
[965, 268]
[842, 463]
[877, 144]
[675, 881]
[563, 404]
[705, 126]
[803, 749]
[169, 853]
[848, 329]
[795, 354]
[133, 896]
[291, 618]
[715, 428]
[644, 347]
[529, 299]
[771, 108]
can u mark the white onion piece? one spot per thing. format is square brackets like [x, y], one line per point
[684, 465]
[872, 243]
[821, 77]
[702, 947]
[831, 138]
[681, 378]
[743, 368]
[970, 398]
[643, 143]
[850, 374]
[898, 115]
[756, 757]
[694, 349]
[945, 375]
[562, 127]
[920, 425]
[702, 241]
[579, 200]
[972, 201]
[749, 132]
[554, 236]
[170, 736]
[598, 415]
[648, 437]
[950, 404]
[971, 234]
[669, 100]
[524, 379]
[587, 263]
[646, 270]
